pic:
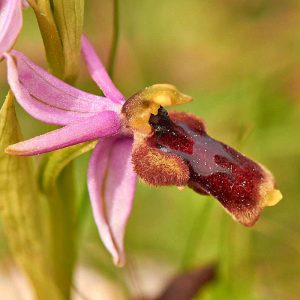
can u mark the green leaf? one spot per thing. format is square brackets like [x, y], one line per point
[20, 209]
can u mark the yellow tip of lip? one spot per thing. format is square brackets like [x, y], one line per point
[273, 198]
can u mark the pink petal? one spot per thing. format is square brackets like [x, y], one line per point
[101, 125]
[111, 183]
[47, 98]
[10, 23]
[98, 72]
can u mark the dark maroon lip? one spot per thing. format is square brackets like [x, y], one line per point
[215, 168]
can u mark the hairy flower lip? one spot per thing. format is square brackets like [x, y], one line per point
[241, 185]
[157, 168]
[261, 190]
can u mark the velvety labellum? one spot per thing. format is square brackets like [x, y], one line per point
[240, 184]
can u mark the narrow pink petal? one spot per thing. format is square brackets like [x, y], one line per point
[10, 23]
[111, 183]
[101, 125]
[47, 98]
[98, 72]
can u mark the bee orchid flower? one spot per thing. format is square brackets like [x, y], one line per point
[136, 136]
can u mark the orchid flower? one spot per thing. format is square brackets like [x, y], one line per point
[136, 136]
[10, 23]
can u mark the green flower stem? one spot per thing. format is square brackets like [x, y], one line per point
[62, 247]
[82, 210]
[115, 38]
[196, 234]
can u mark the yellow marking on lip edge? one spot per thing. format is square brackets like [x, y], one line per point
[273, 197]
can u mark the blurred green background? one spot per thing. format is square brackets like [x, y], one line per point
[240, 61]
